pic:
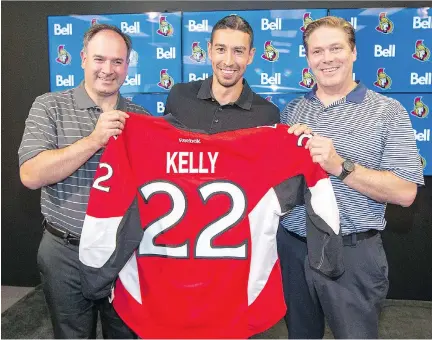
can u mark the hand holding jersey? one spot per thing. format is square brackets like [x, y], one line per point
[110, 123]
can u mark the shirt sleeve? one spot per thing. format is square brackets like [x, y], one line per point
[112, 227]
[400, 154]
[287, 114]
[40, 131]
[170, 99]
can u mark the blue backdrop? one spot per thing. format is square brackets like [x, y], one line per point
[394, 55]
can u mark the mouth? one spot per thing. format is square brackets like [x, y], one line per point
[106, 80]
[329, 70]
[228, 72]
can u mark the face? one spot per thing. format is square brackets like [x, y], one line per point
[105, 63]
[330, 57]
[230, 53]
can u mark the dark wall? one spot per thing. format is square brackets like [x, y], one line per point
[25, 75]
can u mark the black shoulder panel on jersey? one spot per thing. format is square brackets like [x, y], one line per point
[291, 192]
[97, 282]
[325, 248]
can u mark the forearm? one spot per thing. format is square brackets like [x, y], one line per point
[53, 166]
[382, 186]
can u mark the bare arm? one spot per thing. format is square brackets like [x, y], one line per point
[381, 186]
[53, 166]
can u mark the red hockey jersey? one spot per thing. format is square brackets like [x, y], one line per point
[188, 222]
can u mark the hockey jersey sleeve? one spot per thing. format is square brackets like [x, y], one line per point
[313, 188]
[112, 229]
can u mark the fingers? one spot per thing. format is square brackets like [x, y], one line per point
[298, 129]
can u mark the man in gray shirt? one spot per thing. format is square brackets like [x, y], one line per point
[64, 137]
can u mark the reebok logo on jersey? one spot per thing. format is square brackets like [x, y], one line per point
[189, 140]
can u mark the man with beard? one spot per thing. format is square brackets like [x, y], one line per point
[64, 137]
[223, 101]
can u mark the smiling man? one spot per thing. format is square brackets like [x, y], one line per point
[223, 101]
[366, 144]
[64, 137]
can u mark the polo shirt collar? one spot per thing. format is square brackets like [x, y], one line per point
[84, 101]
[244, 101]
[355, 96]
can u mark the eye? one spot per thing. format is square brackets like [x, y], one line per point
[220, 50]
[118, 62]
[335, 48]
[239, 52]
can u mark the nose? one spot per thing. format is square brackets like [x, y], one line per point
[107, 67]
[229, 58]
[328, 56]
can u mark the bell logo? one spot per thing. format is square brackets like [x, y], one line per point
[424, 23]
[302, 51]
[133, 81]
[194, 27]
[383, 80]
[59, 30]
[194, 77]
[161, 54]
[308, 80]
[422, 53]
[379, 51]
[198, 54]
[270, 80]
[132, 29]
[165, 28]
[266, 24]
[271, 54]
[160, 107]
[421, 80]
[166, 81]
[69, 81]
[421, 110]
[353, 22]
[422, 136]
[385, 25]
[307, 19]
[63, 56]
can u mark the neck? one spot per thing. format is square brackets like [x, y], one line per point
[106, 103]
[225, 95]
[333, 93]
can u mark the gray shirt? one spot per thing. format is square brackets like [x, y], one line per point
[57, 120]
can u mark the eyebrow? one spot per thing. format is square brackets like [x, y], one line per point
[234, 47]
[102, 57]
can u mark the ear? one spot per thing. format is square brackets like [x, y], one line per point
[251, 55]
[308, 62]
[209, 47]
[354, 53]
[83, 58]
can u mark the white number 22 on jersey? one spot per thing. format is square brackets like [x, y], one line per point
[203, 247]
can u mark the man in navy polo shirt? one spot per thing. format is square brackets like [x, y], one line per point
[365, 142]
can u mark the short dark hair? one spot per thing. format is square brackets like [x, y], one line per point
[233, 22]
[95, 29]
